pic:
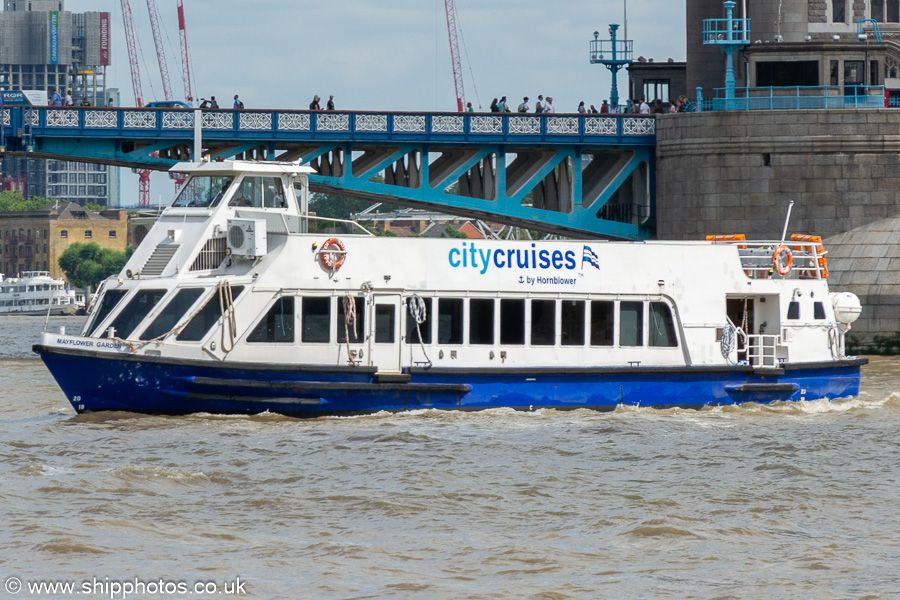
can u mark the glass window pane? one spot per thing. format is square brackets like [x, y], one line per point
[512, 322]
[316, 320]
[412, 330]
[273, 192]
[481, 321]
[838, 11]
[208, 316]
[572, 326]
[662, 327]
[278, 324]
[109, 301]
[877, 10]
[893, 11]
[248, 193]
[602, 323]
[631, 324]
[818, 311]
[135, 311]
[345, 327]
[384, 323]
[450, 321]
[172, 313]
[793, 311]
[543, 322]
[202, 191]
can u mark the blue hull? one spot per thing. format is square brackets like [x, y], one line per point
[98, 382]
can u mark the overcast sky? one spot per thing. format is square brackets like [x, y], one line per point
[386, 54]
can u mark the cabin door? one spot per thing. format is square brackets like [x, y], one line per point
[740, 311]
[384, 332]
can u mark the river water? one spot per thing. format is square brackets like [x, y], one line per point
[756, 502]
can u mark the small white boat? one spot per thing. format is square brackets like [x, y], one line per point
[240, 301]
[36, 293]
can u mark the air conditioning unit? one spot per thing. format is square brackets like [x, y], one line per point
[247, 237]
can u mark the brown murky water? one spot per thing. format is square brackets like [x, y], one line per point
[756, 502]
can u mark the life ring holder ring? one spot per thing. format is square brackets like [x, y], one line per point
[782, 265]
[333, 254]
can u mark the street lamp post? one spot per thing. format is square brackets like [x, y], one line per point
[614, 55]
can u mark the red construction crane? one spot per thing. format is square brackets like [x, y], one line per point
[185, 55]
[160, 50]
[456, 62]
[131, 43]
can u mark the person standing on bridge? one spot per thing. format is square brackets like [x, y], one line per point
[110, 102]
[314, 105]
[548, 105]
[69, 100]
[524, 106]
[330, 104]
[539, 105]
[55, 98]
[238, 105]
[212, 102]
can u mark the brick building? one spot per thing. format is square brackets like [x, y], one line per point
[34, 240]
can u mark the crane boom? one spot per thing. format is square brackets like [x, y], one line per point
[185, 54]
[130, 41]
[456, 62]
[160, 49]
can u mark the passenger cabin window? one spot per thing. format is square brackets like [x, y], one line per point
[543, 322]
[415, 313]
[278, 324]
[202, 192]
[450, 321]
[631, 324]
[135, 311]
[602, 323]
[385, 323]
[662, 326]
[512, 322]
[109, 301]
[259, 192]
[172, 313]
[208, 316]
[793, 311]
[316, 320]
[346, 327]
[481, 321]
[572, 325]
[818, 311]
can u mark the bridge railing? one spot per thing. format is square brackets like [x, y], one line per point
[284, 124]
[798, 98]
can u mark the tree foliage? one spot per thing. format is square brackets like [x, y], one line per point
[15, 201]
[89, 264]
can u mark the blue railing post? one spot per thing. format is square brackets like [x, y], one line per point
[699, 99]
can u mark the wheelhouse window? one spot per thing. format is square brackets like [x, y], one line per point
[135, 311]
[110, 300]
[259, 192]
[345, 326]
[512, 322]
[631, 324]
[208, 316]
[172, 313]
[481, 321]
[793, 310]
[543, 322]
[450, 321]
[414, 313]
[316, 320]
[819, 311]
[572, 324]
[662, 326]
[602, 322]
[278, 324]
[202, 192]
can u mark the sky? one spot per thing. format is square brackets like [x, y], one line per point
[385, 54]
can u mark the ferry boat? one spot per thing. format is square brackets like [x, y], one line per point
[37, 293]
[241, 301]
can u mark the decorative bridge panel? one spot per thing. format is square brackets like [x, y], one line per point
[293, 122]
[562, 125]
[486, 125]
[217, 120]
[447, 124]
[255, 120]
[101, 118]
[62, 118]
[372, 123]
[6, 117]
[640, 126]
[409, 123]
[140, 119]
[177, 120]
[529, 125]
[601, 126]
[326, 122]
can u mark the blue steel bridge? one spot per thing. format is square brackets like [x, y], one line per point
[577, 175]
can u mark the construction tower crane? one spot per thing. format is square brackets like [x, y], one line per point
[185, 55]
[160, 50]
[131, 43]
[456, 62]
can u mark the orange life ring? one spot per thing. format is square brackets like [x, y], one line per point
[782, 267]
[331, 248]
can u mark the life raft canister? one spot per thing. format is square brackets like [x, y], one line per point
[782, 259]
[332, 254]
